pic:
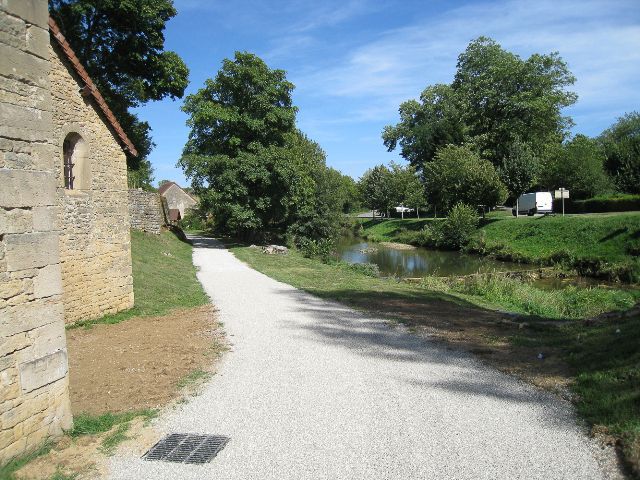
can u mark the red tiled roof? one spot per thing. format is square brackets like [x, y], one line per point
[90, 88]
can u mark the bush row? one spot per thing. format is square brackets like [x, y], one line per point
[618, 203]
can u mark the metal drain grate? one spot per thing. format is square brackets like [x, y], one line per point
[186, 448]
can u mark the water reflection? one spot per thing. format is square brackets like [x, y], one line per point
[418, 262]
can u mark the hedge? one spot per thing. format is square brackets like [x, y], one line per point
[618, 203]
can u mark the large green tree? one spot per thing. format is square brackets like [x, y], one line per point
[519, 170]
[408, 190]
[377, 189]
[252, 169]
[458, 174]
[121, 44]
[433, 122]
[505, 98]
[621, 144]
[578, 165]
[496, 99]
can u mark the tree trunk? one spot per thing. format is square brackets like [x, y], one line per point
[517, 209]
[402, 214]
[418, 212]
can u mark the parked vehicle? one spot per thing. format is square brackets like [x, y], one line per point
[532, 203]
[403, 209]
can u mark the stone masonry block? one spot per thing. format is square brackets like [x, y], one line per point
[31, 11]
[11, 288]
[43, 371]
[44, 218]
[26, 123]
[48, 282]
[15, 63]
[38, 41]
[15, 220]
[26, 188]
[26, 317]
[31, 250]
[13, 31]
[46, 340]
[8, 346]
[44, 156]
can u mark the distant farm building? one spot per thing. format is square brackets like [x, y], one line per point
[177, 198]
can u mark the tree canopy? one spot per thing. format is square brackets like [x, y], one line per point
[377, 189]
[495, 99]
[578, 165]
[121, 44]
[621, 143]
[425, 126]
[251, 167]
[519, 169]
[458, 174]
[505, 98]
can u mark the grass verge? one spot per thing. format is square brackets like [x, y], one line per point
[164, 278]
[192, 378]
[116, 424]
[600, 361]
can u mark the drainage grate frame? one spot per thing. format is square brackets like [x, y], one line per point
[186, 448]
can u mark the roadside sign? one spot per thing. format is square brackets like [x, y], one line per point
[562, 193]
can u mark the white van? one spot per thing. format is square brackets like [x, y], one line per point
[532, 203]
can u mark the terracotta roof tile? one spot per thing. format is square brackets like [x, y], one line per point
[90, 88]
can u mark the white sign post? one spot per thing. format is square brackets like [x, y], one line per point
[562, 193]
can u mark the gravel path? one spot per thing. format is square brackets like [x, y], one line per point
[314, 390]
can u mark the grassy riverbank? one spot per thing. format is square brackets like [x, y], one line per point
[604, 245]
[597, 363]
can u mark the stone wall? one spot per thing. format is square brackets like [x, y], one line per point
[34, 401]
[95, 244]
[146, 211]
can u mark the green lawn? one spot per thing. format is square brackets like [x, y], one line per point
[605, 365]
[535, 238]
[597, 244]
[164, 277]
[392, 230]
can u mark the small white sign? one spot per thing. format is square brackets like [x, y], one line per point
[562, 193]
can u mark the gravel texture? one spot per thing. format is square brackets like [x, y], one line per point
[314, 390]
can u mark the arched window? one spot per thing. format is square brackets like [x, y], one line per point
[76, 170]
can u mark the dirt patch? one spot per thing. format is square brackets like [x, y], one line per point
[397, 246]
[141, 362]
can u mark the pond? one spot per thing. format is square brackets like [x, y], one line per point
[419, 262]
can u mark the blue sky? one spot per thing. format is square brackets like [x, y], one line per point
[354, 61]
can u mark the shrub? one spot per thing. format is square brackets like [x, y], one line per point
[193, 220]
[323, 248]
[368, 269]
[457, 229]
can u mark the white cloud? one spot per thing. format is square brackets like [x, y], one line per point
[600, 40]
